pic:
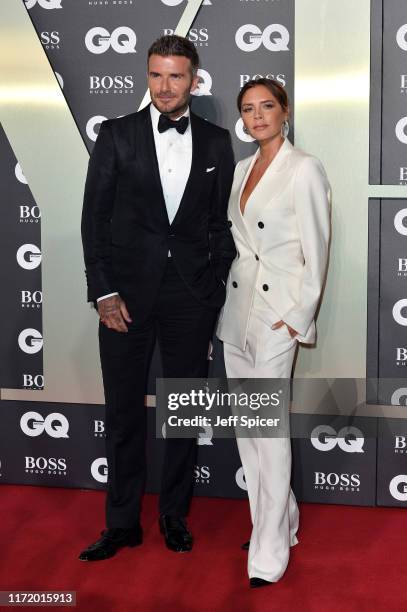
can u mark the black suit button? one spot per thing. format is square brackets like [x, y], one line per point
[265, 287]
[260, 224]
[230, 223]
[257, 257]
[234, 284]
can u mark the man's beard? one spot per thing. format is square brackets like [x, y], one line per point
[182, 106]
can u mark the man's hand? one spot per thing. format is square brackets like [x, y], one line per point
[279, 324]
[113, 313]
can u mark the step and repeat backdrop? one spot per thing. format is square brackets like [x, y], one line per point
[98, 49]
[387, 276]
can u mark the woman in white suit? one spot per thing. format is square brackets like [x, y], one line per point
[279, 218]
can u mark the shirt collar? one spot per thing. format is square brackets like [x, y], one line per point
[155, 115]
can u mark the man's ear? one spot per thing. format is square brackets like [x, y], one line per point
[195, 83]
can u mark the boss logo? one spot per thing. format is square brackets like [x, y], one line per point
[31, 299]
[400, 445]
[280, 78]
[348, 439]
[56, 425]
[402, 267]
[332, 480]
[30, 214]
[401, 355]
[198, 36]
[275, 37]
[28, 256]
[45, 4]
[31, 381]
[398, 487]
[122, 40]
[99, 429]
[106, 83]
[50, 40]
[51, 465]
[202, 474]
[99, 470]
[30, 341]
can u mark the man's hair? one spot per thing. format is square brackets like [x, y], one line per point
[175, 45]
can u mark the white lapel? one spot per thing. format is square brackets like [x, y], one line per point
[243, 173]
[267, 189]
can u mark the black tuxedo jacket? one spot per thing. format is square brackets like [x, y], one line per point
[126, 233]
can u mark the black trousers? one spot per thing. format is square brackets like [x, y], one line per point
[183, 328]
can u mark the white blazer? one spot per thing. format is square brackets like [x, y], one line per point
[282, 244]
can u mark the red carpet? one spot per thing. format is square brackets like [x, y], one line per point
[350, 559]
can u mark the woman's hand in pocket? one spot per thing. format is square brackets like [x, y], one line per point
[280, 323]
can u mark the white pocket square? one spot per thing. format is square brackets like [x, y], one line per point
[210, 169]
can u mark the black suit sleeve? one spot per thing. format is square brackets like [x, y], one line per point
[222, 247]
[100, 189]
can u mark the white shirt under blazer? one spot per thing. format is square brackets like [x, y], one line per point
[282, 244]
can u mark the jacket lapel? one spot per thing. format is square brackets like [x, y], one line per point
[147, 151]
[199, 155]
[267, 189]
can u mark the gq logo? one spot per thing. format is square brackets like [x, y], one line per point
[45, 4]
[399, 493]
[398, 221]
[275, 37]
[55, 425]
[398, 395]
[122, 40]
[91, 124]
[30, 341]
[400, 130]
[397, 312]
[204, 85]
[349, 439]
[240, 479]
[240, 133]
[28, 256]
[99, 470]
[401, 37]
[19, 174]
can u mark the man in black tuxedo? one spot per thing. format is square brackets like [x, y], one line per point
[157, 251]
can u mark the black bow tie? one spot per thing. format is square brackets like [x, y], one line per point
[165, 123]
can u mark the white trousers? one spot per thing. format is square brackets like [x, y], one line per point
[267, 461]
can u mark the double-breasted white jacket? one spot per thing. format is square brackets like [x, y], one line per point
[282, 244]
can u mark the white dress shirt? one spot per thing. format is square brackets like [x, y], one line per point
[174, 155]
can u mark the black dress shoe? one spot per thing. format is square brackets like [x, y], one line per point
[110, 542]
[177, 537]
[255, 583]
[246, 545]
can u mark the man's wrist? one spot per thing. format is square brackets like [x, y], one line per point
[104, 297]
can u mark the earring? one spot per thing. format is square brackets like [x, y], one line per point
[285, 128]
[246, 131]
